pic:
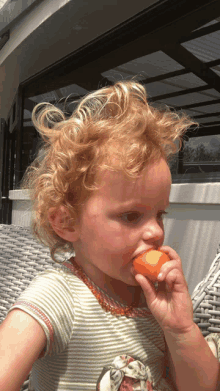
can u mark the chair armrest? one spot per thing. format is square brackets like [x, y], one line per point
[206, 300]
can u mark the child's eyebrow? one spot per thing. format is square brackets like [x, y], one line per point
[129, 205]
[132, 204]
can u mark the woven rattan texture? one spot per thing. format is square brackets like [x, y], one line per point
[21, 258]
[206, 300]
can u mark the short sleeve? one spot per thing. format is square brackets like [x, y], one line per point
[49, 300]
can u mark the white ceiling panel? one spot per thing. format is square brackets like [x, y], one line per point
[158, 88]
[209, 119]
[207, 24]
[188, 80]
[151, 65]
[205, 48]
[210, 108]
[186, 99]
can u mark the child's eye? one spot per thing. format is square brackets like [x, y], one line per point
[131, 217]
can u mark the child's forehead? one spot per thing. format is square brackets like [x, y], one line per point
[118, 185]
[112, 181]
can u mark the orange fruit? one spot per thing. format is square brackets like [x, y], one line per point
[150, 262]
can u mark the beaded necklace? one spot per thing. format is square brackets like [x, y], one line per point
[106, 302]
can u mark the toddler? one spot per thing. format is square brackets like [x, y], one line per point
[100, 193]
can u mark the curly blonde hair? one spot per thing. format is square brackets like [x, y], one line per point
[113, 128]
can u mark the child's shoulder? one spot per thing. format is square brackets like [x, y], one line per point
[59, 273]
[52, 285]
[49, 299]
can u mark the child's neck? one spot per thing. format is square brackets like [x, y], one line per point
[124, 293]
[116, 289]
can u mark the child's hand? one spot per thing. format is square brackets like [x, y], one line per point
[170, 304]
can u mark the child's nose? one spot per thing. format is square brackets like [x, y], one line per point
[153, 231]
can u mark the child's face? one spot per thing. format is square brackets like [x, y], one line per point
[120, 221]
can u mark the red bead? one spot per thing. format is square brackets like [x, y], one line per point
[102, 299]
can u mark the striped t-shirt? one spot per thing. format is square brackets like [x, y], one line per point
[86, 345]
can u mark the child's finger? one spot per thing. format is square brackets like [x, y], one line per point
[175, 279]
[170, 252]
[168, 267]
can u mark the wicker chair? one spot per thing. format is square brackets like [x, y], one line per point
[21, 258]
[206, 300]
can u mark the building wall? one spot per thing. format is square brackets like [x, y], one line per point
[192, 227]
[11, 10]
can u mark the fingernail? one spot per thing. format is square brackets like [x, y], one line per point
[159, 276]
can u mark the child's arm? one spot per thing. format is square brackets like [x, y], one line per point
[193, 365]
[21, 341]
[191, 362]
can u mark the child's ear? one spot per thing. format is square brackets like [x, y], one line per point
[56, 219]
